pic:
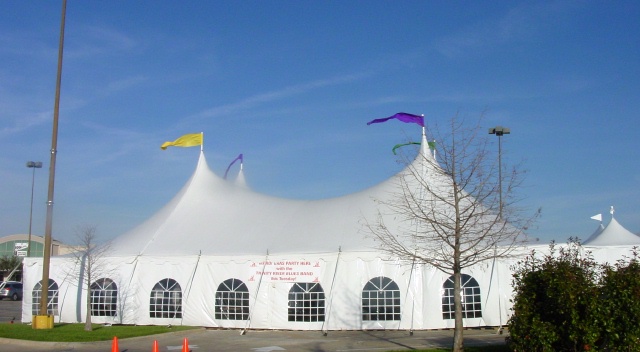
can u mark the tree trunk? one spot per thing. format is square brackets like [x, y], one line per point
[458, 339]
[87, 321]
[87, 324]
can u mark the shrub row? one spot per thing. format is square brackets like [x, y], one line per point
[565, 301]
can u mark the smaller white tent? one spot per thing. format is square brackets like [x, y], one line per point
[595, 233]
[613, 234]
[611, 243]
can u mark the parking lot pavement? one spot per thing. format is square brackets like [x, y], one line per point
[211, 340]
[266, 341]
[10, 310]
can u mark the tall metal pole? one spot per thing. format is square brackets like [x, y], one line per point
[33, 165]
[44, 297]
[500, 171]
[499, 131]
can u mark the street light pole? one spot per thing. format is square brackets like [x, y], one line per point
[32, 165]
[45, 321]
[499, 131]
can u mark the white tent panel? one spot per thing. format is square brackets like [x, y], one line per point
[220, 255]
[269, 279]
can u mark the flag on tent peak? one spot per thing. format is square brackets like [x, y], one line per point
[402, 116]
[432, 145]
[188, 140]
[402, 145]
[240, 157]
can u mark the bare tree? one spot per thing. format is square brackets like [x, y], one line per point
[9, 265]
[90, 259]
[449, 209]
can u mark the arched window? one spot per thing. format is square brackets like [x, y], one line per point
[104, 298]
[471, 306]
[381, 300]
[232, 300]
[166, 300]
[306, 302]
[52, 298]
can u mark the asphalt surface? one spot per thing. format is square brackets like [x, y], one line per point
[10, 310]
[206, 340]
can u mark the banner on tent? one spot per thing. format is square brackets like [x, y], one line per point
[286, 270]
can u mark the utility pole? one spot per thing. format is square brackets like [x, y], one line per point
[499, 131]
[43, 320]
[32, 165]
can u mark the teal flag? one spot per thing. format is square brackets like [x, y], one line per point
[432, 145]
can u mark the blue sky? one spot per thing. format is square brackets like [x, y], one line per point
[291, 85]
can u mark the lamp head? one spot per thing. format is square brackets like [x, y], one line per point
[499, 130]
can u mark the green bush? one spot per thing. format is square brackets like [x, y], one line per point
[620, 305]
[555, 298]
[565, 301]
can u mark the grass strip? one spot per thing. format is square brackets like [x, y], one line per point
[76, 333]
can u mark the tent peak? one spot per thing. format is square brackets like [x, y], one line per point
[613, 234]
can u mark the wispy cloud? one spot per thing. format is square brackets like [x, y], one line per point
[124, 84]
[454, 97]
[26, 44]
[96, 40]
[276, 95]
[481, 36]
[26, 122]
[518, 24]
[572, 84]
[104, 144]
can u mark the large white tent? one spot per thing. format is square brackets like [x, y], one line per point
[222, 255]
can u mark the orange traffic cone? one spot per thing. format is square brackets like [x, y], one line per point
[185, 345]
[155, 346]
[114, 345]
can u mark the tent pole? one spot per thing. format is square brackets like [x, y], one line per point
[264, 265]
[333, 280]
[193, 274]
[413, 301]
[122, 304]
[61, 298]
[493, 269]
[499, 300]
[424, 152]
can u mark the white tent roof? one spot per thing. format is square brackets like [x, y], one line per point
[595, 234]
[215, 217]
[240, 179]
[612, 235]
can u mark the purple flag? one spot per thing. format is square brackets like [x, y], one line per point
[233, 162]
[402, 116]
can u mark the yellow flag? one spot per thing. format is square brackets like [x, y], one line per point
[188, 140]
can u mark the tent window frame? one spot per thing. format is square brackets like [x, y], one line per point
[52, 295]
[471, 298]
[165, 300]
[232, 300]
[381, 300]
[104, 298]
[306, 302]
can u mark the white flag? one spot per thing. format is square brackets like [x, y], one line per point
[597, 217]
